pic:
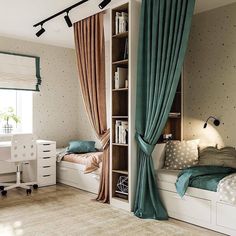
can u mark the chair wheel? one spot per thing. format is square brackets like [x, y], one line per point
[1, 188]
[28, 191]
[35, 186]
[4, 193]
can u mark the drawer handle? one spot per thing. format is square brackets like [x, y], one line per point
[46, 151]
[46, 157]
[46, 166]
[46, 144]
[46, 175]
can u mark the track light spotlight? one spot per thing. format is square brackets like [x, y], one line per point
[104, 3]
[40, 32]
[67, 19]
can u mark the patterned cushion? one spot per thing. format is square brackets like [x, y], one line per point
[218, 157]
[181, 154]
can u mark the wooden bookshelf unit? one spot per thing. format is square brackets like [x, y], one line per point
[123, 145]
[174, 124]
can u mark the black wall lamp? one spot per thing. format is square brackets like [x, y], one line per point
[103, 4]
[216, 121]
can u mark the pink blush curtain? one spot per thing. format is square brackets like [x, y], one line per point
[90, 51]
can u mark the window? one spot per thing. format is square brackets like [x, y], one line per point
[20, 104]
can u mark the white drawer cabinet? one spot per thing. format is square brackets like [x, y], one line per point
[43, 170]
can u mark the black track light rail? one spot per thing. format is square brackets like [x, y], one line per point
[60, 13]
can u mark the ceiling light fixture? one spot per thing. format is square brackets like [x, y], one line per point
[216, 121]
[40, 32]
[67, 19]
[104, 3]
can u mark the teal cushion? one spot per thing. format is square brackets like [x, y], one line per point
[81, 146]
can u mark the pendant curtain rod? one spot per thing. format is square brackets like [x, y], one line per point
[60, 13]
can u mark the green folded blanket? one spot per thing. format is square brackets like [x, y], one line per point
[203, 177]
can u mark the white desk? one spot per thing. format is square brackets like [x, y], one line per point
[43, 169]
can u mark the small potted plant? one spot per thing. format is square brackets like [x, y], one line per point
[7, 116]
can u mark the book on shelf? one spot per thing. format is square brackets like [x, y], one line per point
[121, 132]
[121, 75]
[126, 50]
[121, 22]
[174, 114]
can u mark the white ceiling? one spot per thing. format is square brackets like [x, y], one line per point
[18, 16]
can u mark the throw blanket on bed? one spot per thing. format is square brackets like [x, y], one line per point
[227, 189]
[91, 160]
[203, 177]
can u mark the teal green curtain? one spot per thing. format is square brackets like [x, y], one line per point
[164, 32]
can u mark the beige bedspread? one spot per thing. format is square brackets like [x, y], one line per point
[91, 160]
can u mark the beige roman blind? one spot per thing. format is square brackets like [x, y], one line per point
[19, 72]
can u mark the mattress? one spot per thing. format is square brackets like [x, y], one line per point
[91, 161]
[169, 176]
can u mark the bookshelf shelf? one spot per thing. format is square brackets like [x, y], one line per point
[124, 172]
[121, 35]
[120, 144]
[120, 117]
[120, 90]
[121, 62]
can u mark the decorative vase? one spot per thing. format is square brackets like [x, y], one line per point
[7, 129]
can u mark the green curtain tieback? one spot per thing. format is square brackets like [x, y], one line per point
[144, 146]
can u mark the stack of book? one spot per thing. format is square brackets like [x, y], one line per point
[121, 22]
[121, 76]
[121, 132]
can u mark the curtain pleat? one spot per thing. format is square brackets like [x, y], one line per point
[164, 31]
[90, 51]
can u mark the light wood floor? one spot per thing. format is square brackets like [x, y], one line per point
[62, 210]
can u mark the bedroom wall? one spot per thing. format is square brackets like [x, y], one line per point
[210, 77]
[55, 109]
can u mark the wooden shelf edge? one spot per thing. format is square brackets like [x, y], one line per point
[121, 62]
[120, 144]
[121, 35]
[120, 117]
[120, 89]
[120, 172]
[121, 199]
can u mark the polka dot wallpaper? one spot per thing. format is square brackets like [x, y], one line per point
[210, 77]
[56, 106]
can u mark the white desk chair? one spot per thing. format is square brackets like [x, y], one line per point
[23, 148]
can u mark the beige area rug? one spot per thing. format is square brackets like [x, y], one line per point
[62, 210]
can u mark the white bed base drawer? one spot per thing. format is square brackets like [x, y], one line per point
[226, 216]
[77, 178]
[187, 208]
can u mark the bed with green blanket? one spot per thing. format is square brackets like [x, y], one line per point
[202, 177]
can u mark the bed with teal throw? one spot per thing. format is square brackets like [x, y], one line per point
[203, 177]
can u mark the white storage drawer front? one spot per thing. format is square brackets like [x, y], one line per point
[47, 170]
[186, 207]
[47, 179]
[46, 150]
[226, 216]
[46, 161]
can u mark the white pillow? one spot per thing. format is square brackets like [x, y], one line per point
[181, 154]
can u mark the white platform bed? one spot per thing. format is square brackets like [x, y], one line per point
[72, 174]
[199, 207]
